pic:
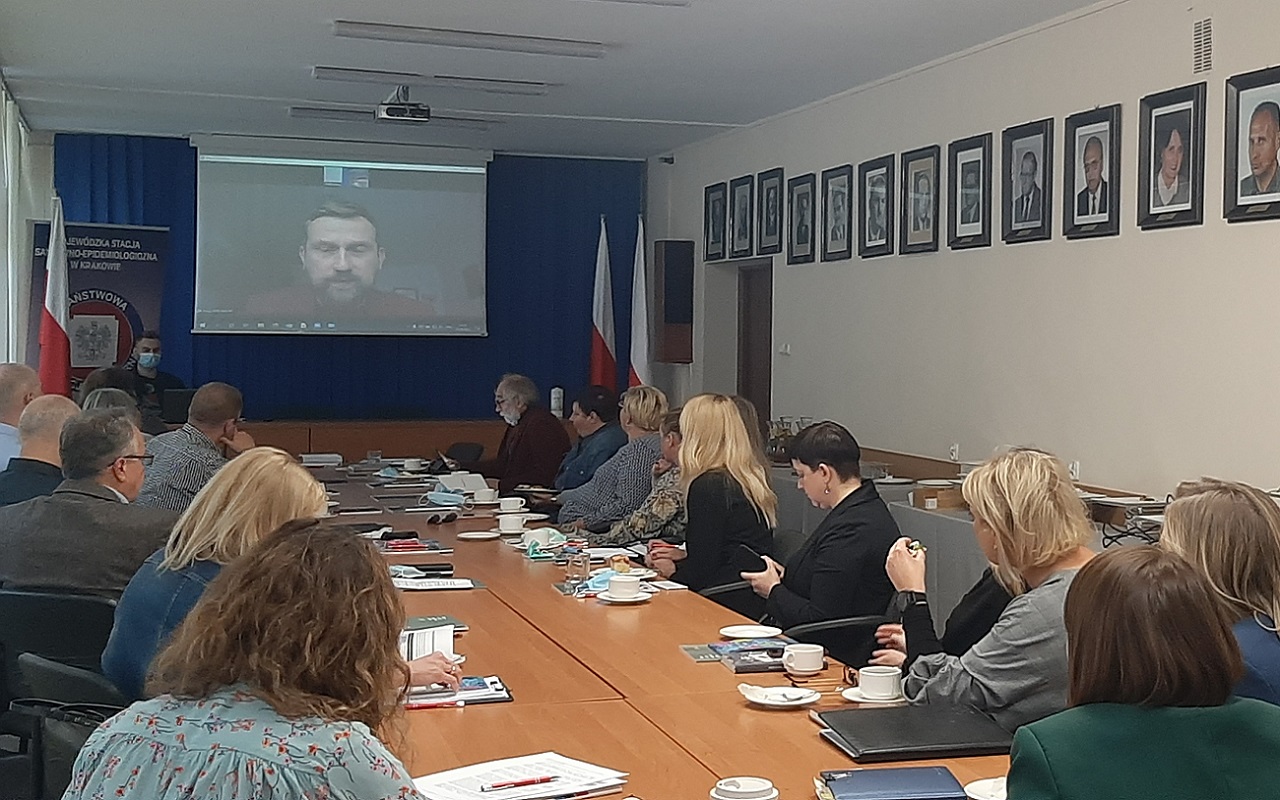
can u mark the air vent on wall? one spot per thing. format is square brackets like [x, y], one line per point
[1202, 46]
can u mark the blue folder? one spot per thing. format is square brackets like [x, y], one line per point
[895, 783]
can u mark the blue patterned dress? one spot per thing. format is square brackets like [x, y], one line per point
[233, 746]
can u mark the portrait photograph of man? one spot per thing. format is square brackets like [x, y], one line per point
[875, 228]
[769, 212]
[713, 221]
[837, 228]
[800, 210]
[920, 180]
[1092, 201]
[1260, 145]
[968, 193]
[741, 210]
[1027, 181]
[1028, 200]
[1171, 138]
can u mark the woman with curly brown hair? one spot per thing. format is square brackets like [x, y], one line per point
[254, 699]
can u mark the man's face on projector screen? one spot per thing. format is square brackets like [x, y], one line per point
[341, 257]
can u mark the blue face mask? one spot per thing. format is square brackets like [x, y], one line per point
[149, 360]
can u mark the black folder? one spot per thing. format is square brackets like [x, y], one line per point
[902, 733]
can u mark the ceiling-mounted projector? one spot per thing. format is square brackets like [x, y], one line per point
[399, 108]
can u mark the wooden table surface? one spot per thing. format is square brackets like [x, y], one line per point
[606, 684]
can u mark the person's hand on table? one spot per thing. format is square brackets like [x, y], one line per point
[235, 445]
[893, 642]
[905, 568]
[662, 557]
[435, 668]
[763, 582]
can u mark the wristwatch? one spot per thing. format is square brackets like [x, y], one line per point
[904, 600]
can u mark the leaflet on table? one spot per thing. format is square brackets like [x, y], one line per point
[472, 689]
[435, 620]
[572, 778]
[429, 584]
[425, 641]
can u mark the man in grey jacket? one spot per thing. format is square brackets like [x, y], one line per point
[86, 537]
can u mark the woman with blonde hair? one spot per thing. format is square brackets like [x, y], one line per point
[1033, 528]
[1231, 532]
[621, 484]
[728, 501]
[254, 699]
[251, 496]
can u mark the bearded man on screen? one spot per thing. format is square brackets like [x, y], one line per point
[341, 259]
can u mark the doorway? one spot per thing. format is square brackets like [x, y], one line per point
[755, 335]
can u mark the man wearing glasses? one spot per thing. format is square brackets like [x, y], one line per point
[535, 441]
[87, 537]
[187, 458]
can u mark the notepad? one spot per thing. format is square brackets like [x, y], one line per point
[573, 778]
[435, 620]
[421, 642]
[432, 584]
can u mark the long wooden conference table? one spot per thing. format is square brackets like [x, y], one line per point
[605, 684]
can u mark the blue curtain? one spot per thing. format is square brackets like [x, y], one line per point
[543, 223]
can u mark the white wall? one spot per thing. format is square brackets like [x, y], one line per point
[1149, 357]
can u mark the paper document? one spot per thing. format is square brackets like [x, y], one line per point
[425, 641]
[321, 460]
[427, 584]
[571, 777]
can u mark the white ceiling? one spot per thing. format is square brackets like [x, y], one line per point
[672, 75]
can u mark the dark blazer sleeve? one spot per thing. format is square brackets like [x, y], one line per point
[830, 592]
[708, 522]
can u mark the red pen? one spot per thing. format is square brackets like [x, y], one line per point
[437, 704]
[493, 787]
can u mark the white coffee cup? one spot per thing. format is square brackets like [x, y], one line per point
[510, 523]
[880, 683]
[508, 503]
[413, 464]
[540, 535]
[803, 657]
[624, 586]
[486, 495]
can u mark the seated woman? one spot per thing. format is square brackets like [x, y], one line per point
[244, 501]
[1152, 666]
[1231, 532]
[1032, 526]
[621, 484]
[839, 572]
[728, 501]
[253, 698]
[971, 619]
[108, 397]
[661, 515]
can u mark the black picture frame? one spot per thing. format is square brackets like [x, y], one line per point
[1091, 142]
[1179, 201]
[742, 211]
[1032, 222]
[969, 192]
[800, 219]
[715, 204]
[1257, 95]
[837, 219]
[920, 200]
[875, 235]
[769, 189]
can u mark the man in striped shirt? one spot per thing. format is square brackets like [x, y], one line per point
[185, 459]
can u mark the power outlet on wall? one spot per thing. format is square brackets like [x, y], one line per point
[1074, 469]
[955, 452]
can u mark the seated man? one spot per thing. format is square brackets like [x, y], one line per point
[86, 537]
[187, 458]
[595, 418]
[37, 470]
[19, 385]
[150, 380]
[533, 445]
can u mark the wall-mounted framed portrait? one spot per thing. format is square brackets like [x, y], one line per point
[969, 192]
[769, 190]
[1027, 182]
[918, 226]
[1171, 158]
[1091, 179]
[837, 221]
[1252, 174]
[800, 207]
[875, 207]
[741, 212]
[714, 202]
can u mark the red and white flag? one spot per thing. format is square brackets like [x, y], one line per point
[604, 367]
[55, 346]
[640, 374]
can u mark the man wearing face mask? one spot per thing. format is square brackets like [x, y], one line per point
[185, 459]
[151, 382]
[535, 441]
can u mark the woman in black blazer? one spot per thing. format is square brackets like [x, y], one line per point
[839, 572]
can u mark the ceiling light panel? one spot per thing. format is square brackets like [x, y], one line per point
[667, 3]
[470, 40]
[466, 83]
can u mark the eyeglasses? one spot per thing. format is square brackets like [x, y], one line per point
[145, 458]
[499, 399]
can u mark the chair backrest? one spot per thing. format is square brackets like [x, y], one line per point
[51, 680]
[465, 451]
[68, 628]
[786, 543]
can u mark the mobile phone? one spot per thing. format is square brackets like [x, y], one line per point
[747, 560]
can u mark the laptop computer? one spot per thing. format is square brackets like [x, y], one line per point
[174, 404]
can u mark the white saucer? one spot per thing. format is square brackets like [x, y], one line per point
[781, 697]
[520, 532]
[485, 502]
[478, 536]
[935, 482]
[986, 789]
[749, 631]
[891, 481]
[854, 695]
[643, 597]
[808, 673]
[643, 573]
[528, 516]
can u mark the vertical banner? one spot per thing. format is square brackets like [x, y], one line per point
[116, 277]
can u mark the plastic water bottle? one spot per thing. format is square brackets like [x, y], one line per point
[557, 401]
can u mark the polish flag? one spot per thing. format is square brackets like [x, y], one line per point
[640, 373]
[55, 347]
[604, 367]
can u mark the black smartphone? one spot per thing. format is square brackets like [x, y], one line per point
[747, 560]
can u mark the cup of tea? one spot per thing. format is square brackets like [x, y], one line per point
[880, 683]
[803, 658]
[486, 495]
[624, 586]
[540, 535]
[510, 523]
[508, 503]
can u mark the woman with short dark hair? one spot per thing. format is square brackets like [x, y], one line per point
[839, 572]
[1152, 663]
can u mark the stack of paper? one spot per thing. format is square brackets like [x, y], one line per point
[426, 584]
[321, 460]
[425, 641]
[570, 778]
[472, 690]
